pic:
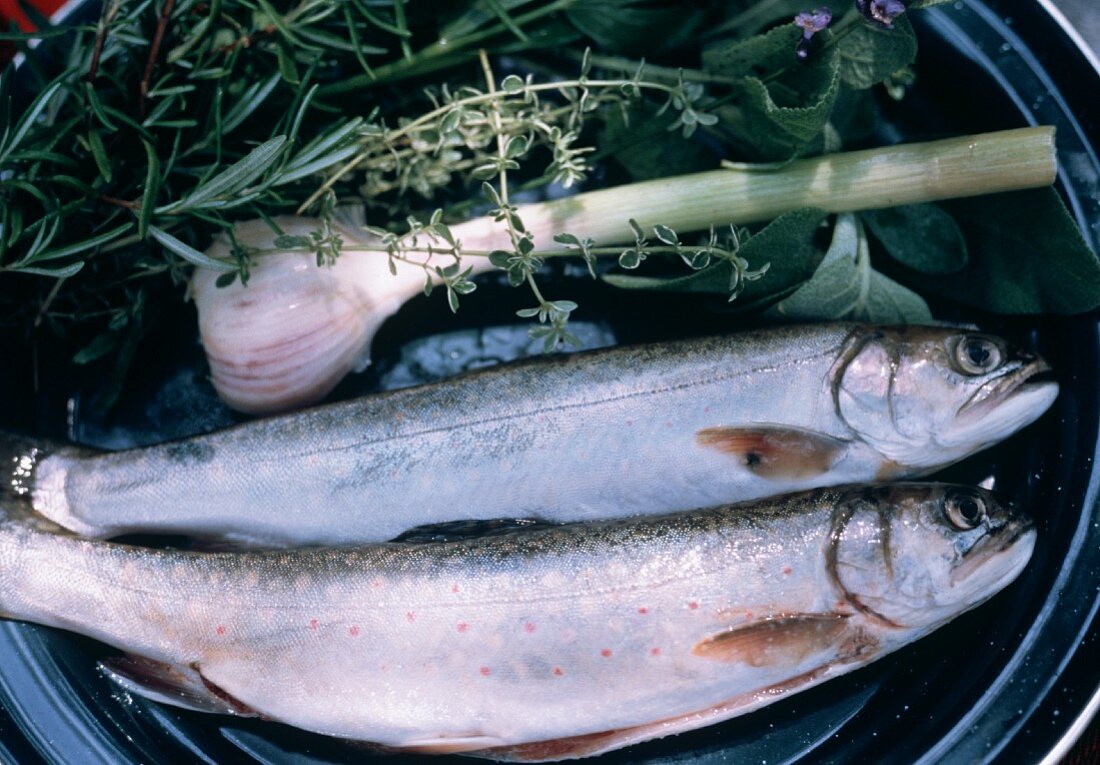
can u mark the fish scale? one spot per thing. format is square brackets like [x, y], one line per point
[538, 635]
[611, 433]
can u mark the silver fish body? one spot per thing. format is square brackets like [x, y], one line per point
[612, 433]
[538, 644]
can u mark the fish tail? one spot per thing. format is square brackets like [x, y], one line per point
[20, 459]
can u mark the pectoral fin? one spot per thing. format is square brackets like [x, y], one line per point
[179, 685]
[776, 640]
[774, 451]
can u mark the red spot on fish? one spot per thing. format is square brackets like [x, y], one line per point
[643, 610]
[786, 571]
[606, 653]
[529, 627]
[706, 408]
[454, 588]
[313, 624]
[463, 626]
[221, 629]
[693, 605]
[840, 604]
[410, 616]
[668, 424]
[393, 474]
[376, 583]
[485, 671]
[654, 651]
[748, 614]
[353, 630]
[629, 423]
[558, 672]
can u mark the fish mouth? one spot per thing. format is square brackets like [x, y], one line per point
[1031, 377]
[997, 559]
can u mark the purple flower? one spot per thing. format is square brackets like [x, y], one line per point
[881, 12]
[811, 23]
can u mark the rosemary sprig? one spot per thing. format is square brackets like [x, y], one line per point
[128, 145]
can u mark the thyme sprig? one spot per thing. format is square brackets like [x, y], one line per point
[429, 146]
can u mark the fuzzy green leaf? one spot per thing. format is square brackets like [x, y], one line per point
[922, 237]
[1027, 256]
[641, 143]
[870, 53]
[779, 119]
[757, 56]
[634, 27]
[845, 286]
[787, 243]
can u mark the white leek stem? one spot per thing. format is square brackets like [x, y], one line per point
[288, 338]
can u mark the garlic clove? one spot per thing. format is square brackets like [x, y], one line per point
[289, 336]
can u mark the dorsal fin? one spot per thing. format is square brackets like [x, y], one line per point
[452, 531]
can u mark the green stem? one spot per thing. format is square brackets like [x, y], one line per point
[860, 180]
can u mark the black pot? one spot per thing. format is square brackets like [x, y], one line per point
[1014, 681]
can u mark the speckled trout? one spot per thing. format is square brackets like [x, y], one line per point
[613, 433]
[538, 644]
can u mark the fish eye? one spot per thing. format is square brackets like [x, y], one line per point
[977, 355]
[964, 511]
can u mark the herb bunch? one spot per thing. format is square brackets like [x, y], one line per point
[127, 145]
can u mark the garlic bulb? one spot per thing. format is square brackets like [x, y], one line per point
[289, 336]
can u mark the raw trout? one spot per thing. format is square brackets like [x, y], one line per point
[611, 433]
[538, 644]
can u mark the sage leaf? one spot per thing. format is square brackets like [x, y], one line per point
[780, 118]
[635, 27]
[1027, 256]
[787, 243]
[922, 237]
[871, 53]
[639, 142]
[756, 56]
[845, 286]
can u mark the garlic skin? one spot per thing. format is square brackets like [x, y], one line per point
[287, 338]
